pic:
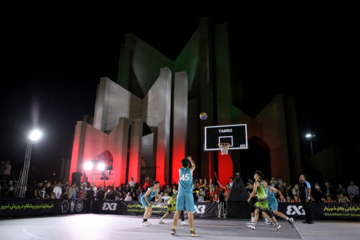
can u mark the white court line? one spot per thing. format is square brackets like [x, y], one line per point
[301, 235]
[26, 232]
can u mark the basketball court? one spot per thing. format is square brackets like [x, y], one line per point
[101, 226]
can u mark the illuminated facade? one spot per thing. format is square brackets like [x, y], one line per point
[148, 120]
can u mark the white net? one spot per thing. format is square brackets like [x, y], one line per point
[224, 147]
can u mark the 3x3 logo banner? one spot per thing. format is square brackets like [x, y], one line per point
[322, 210]
[202, 210]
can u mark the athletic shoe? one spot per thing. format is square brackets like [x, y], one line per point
[252, 226]
[173, 232]
[268, 223]
[249, 223]
[291, 222]
[145, 224]
[161, 221]
[183, 223]
[193, 234]
[277, 227]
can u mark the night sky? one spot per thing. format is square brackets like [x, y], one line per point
[52, 63]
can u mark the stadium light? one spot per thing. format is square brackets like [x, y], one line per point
[310, 136]
[20, 190]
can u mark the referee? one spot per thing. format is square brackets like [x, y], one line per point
[305, 194]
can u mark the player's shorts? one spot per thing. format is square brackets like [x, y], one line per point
[169, 208]
[185, 202]
[143, 202]
[273, 204]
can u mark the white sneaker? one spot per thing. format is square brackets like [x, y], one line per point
[161, 221]
[145, 224]
[183, 223]
[249, 223]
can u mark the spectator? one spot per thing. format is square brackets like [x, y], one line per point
[231, 181]
[37, 189]
[226, 190]
[273, 182]
[2, 168]
[8, 168]
[43, 194]
[121, 196]
[295, 192]
[66, 192]
[147, 183]
[329, 199]
[215, 198]
[289, 199]
[128, 197]
[353, 189]
[100, 193]
[132, 183]
[165, 198]
[72, 191]
[342, 190]
[141, 194]
[343, 199]
[201, 195]
[212, 192]
[328, 189]
[279, 182]
[317, 194]
[81, 193]
[57, 191]
[284, 189]
[12, 187]
[168, 190]
[195, 191]
[138, 190]
[134, 197]
[48, 189]
[109, 195]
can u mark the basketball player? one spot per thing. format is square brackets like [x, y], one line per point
[145, 201]
[171, 206]
[273, 203]
[185, 198]
[261, 204]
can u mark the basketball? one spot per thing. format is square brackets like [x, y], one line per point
[203, 116]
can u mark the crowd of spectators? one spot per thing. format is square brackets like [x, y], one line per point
[319, 193]
[203, 190]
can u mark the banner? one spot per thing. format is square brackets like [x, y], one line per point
[23, 207]
[202, 210]
[322, 210]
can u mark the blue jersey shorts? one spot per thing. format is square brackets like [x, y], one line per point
[185, 202]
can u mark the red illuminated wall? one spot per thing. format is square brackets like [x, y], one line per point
[225, 168]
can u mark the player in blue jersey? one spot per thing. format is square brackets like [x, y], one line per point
[151, 193]
[185, 197]
[273, 202]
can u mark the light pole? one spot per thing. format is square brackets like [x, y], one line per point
[91, 166]
[23, 177]
[310, 136]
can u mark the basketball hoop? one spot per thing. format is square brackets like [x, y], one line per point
[224, 147]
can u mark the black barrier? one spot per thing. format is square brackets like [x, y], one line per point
[24, 207]
[323, 211]
[202, 210]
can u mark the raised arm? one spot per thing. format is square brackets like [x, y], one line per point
[220, 185]
[192, 168]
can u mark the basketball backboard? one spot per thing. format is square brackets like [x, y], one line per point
[235, 134]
